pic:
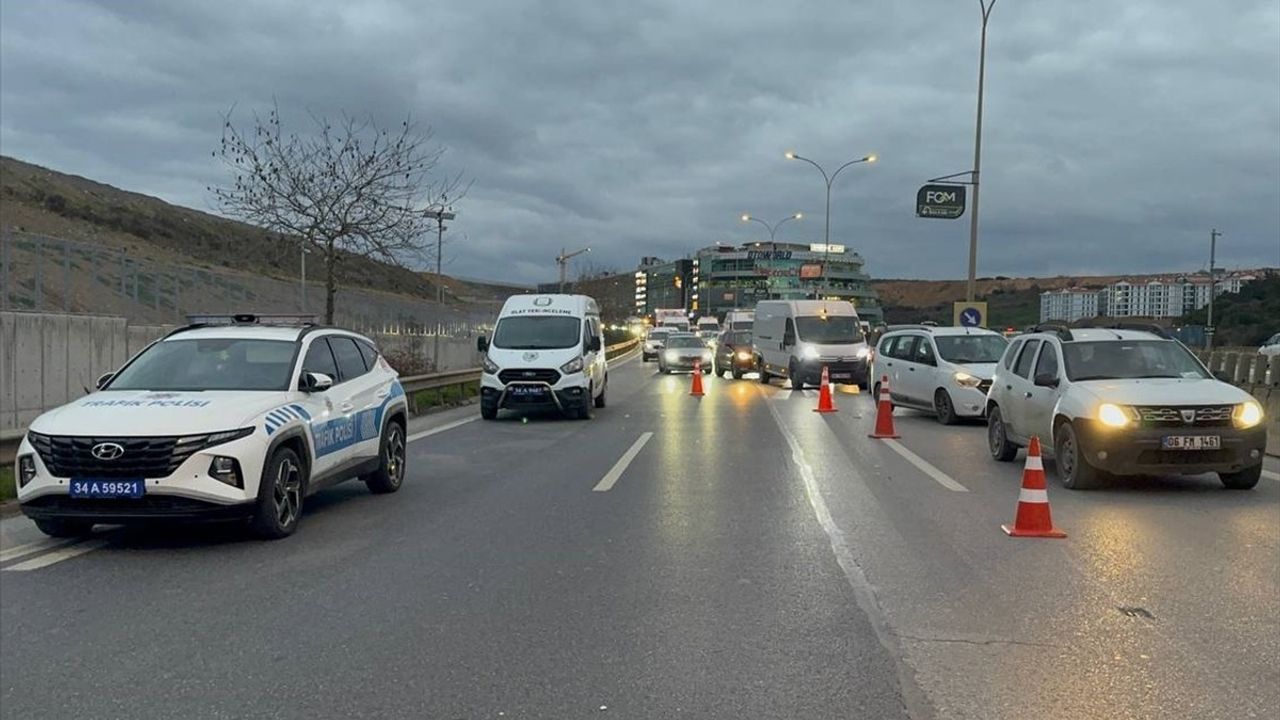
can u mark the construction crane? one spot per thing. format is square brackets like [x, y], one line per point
[563, 261]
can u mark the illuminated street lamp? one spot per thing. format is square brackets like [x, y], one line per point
[826, 235]
[773, 229]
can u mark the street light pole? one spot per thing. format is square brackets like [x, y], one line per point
[1213, 252]
[971, 289]
[773, 242]
[829, 179]
[440, 214]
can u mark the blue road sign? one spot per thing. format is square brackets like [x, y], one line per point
[970, 314]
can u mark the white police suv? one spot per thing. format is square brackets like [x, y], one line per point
[230, 417]
[1122, 401]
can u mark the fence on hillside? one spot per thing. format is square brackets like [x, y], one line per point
[50, 274]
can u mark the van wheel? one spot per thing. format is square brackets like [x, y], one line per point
[797, 382]
[1002, 449]
[600, 401]
[488, 412]
[1243, 480]
[391, 462]
[943, 408]
[279, 496]
[1076, 472]
[55, 527]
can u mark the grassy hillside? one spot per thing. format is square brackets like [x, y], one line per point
[1244, 319]
[42, 201]
[1010, 301]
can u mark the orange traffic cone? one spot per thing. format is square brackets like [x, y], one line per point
[884, 413]
[696, 390]
[1033, 518]
[825, 404]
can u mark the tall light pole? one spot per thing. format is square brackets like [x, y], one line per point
[773, 230]
[439, 214]
[1213, 288]
[972, 287]
[829, 179]
[303, 252]
[563, 261]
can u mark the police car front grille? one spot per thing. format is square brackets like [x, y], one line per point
[1169, 416]
[145, 457]
[537, 375]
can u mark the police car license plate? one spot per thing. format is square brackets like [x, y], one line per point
[107, 487]
[1190, 442]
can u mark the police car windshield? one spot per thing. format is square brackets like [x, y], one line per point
[829, 330]
[971, 348]
[1129, 359]
[542, 332]
[210, 364]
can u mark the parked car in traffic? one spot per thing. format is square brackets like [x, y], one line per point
[796, 339]
[1271, 348]
[943, 370]
[1122, 401]
[733, 354]
[228, 418]
[685, 351]
[653, 343]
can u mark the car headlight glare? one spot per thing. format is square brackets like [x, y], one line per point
[1113, 415]
[964, 379]
[489, 366]
[744, 355]
[1247, 415]
[863, 352]
[808, 352]
[573, 366]
[26, 470]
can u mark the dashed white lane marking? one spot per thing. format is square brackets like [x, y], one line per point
[1271, 475]
[615, 473]
[923, 465]
[57, 556]
[447, 426]
[31, 548]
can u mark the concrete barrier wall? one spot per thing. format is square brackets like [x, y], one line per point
[49, 359]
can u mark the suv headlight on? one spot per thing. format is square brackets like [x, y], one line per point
[489, 366]
[573, 366]
[1116, 416]
[1246, 415]
[964, 379]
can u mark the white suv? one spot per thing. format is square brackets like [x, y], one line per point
[224, 419]
[943, 370]
[1122, 401]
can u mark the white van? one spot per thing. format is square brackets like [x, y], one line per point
[739, 320]
[795, 339]
[546, 352]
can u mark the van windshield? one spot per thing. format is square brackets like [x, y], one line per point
[537, 332]
[829, 330]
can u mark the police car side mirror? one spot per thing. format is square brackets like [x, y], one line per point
[104, 379]
[314, 382]
[482, 344]
[1046, 380]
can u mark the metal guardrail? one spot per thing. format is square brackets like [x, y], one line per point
[433, 381]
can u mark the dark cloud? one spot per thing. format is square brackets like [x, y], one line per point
[1116, 135]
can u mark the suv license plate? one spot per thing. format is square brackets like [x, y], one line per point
[1190, 442]
[107, 487]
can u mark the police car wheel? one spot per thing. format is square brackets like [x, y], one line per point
[54, 527]
[279, 496]
[391, 462]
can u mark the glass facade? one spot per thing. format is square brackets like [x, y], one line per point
[739, 277]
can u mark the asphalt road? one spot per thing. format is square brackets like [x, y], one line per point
[734, 556]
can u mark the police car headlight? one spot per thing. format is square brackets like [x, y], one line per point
[1115, 416]
[573, 366]
[227, 436]
[808, 352]
[489, 366]
[226, 470]
[26, 470]
[964, 379]
[1247, 415]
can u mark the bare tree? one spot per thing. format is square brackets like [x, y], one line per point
[350, 188]
[590, 270]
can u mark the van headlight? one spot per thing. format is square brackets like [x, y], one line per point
[964, 379]
[573, 366]
[1116, 416]
[808, 352]
[863, 352]
[1247, 415]
[489, 366]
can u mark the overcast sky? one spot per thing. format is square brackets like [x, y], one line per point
[1116, 134]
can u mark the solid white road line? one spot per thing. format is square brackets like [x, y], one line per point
[57, 556]
[447, 426]
[31, 548]
[615, 473]
[943, 479]
[1271, 475]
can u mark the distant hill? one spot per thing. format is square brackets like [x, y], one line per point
[37, 200]
[1010, 301]
[1246, 318]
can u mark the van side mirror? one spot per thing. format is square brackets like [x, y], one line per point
[594, 344]
[103, 380]
[314, 382]
[788, 339]
[482, 344]
[1046, 380]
